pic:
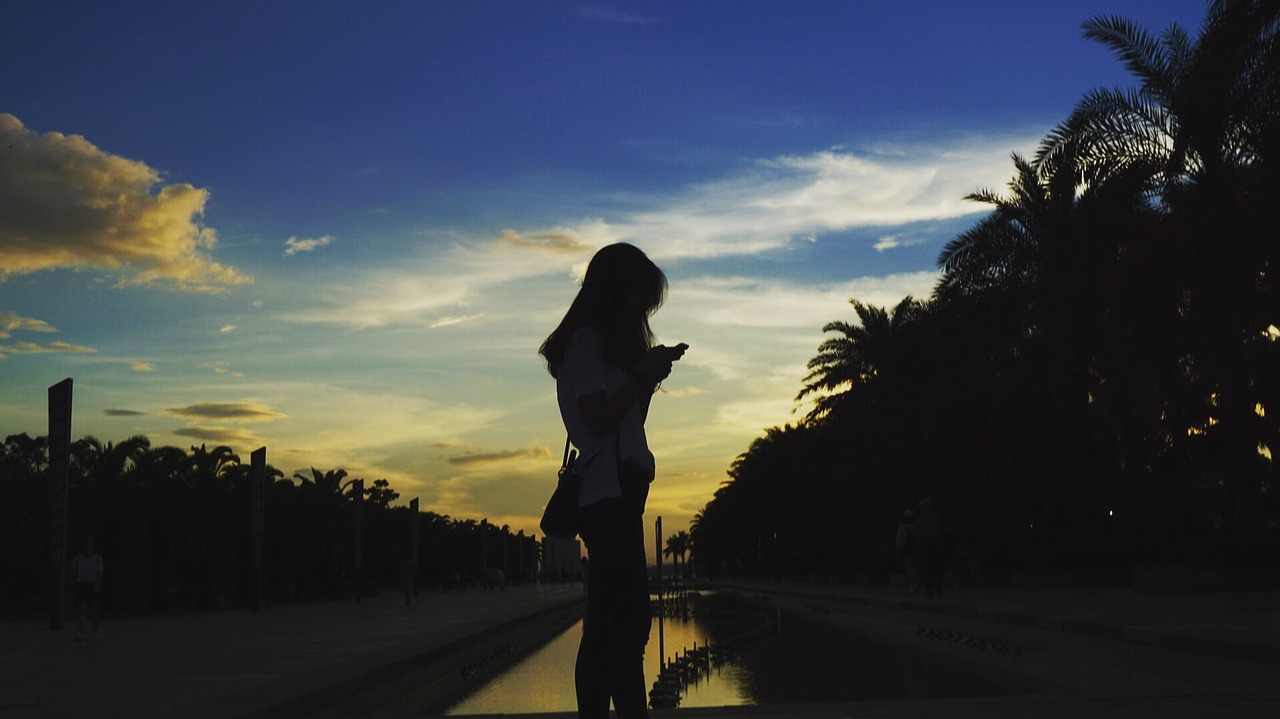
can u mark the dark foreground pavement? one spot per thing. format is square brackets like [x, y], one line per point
[1092, 654]
[323, 659]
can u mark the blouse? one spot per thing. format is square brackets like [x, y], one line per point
[582, 373]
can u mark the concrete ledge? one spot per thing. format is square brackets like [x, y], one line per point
[435, 675]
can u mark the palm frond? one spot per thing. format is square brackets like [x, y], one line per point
[1137, 48]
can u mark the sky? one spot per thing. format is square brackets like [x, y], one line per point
[342, 230]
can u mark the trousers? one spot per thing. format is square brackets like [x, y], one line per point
[615, 630]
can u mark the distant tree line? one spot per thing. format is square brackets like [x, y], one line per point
[1095, 380]
[173, 526]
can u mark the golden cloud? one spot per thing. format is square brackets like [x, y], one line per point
[222, 435]
[234, 411]
[554, 241]
[478, 458]
[66, 203]
[34, 348]
[10, 322]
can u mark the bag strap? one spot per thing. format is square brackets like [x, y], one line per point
[566, 460]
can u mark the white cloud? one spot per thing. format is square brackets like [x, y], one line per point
[888, 242]
[64, 203]
[450, 321]
[294, 245]
[797, 198]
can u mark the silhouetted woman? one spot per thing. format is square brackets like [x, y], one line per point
[606, 368]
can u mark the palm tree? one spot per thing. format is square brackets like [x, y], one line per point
[111, 508]
[677, 547]
[325, 503]
[848, 366]
[1202, 125]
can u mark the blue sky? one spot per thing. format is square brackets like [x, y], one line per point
[341, 230]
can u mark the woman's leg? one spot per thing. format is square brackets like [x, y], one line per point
[591, 676]
[616, 628]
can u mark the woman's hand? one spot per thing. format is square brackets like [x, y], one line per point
[603, 412]
[655, 366]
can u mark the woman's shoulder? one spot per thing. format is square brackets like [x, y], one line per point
[584, 339]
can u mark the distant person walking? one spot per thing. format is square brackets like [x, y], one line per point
[929, 536]
[606, 368]
[86, 575]
[908, 549]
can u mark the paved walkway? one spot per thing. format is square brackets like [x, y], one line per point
[1096, 653]
[285, 661]
[1235, 623]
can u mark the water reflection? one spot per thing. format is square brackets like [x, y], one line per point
[763, 657]
[543, 682]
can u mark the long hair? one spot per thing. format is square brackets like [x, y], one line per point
[621, 290]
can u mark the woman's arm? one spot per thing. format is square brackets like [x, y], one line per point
[603, 412]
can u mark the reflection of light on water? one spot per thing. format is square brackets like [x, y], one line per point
[543, 681]
[812, 660]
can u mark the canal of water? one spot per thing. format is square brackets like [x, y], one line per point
[758, 655]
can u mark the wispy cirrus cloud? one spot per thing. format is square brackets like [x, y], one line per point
[793, 198]
[64, 203]
[10, 322]
[614, 17]
[35, 348]
[774, 204]
[235, 436]
[487, 458]
[450, 321]
[552, 240]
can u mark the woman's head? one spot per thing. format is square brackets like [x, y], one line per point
[622, 288]
[623, 284]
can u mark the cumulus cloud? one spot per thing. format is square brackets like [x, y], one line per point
[64, 203]
[484, 458]
[234, 411]
[294, 245]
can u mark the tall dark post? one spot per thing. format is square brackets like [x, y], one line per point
[59, 467]
[357, 514]
[257, 518]
[657, 540]
[413, 534]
